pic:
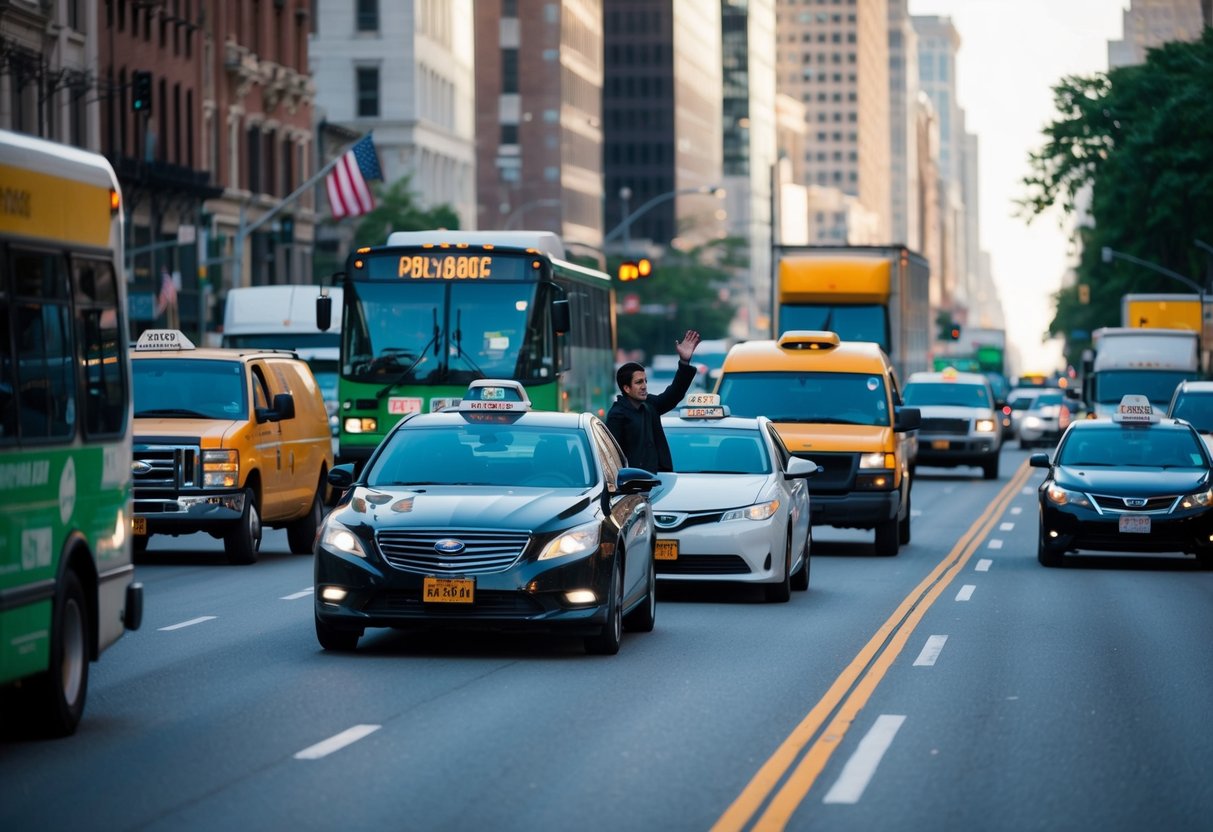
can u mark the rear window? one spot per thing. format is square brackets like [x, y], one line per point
[946, 394]
[700, 450]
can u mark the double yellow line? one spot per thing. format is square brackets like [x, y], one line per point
[852, 689]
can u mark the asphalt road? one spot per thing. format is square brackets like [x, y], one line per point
[958, 685]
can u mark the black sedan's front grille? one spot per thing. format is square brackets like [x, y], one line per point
[1109, 503]
[482, 552]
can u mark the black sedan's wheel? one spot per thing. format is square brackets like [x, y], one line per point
[243, 539]
[1048, 555]
[607, 642]
[335, 638]
[642, 619]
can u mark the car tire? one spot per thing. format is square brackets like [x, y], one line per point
[301, 534]
[989, 468]
[243, 539]
[886, 538]
[55, 698]
[903, 525]
[644, 616]
[606, 643]
[800, 578]
[337, 639]
[1048, 555]
[781, 592]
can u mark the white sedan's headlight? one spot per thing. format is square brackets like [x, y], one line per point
[579, 541]
[1201, 499]
[985, 425]
[338, 537]
[1064, 496]
[758, 511]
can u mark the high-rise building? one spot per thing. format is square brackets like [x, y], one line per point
[903, 136]
[539, 73]
[834, 58]
[1150, 23]
[662, 105]
[750, 148]
[405, 71]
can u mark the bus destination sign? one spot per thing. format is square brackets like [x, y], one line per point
[442, 265]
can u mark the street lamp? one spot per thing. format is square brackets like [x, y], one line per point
[1108, 254]
[625, 194]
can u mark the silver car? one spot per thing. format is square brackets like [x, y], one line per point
[1043, 423]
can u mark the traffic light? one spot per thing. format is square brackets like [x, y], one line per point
[286, 230]
[635, 269]
[141, 95]
[954, 333]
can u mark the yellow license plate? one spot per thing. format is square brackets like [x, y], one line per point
[448, 590]
[939, 444]
[139, 525]
[665, 550]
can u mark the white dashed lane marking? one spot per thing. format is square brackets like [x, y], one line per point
[966, 592]
[858, 771]
[930, 651]
[295, 596]
[337, 742]
[983, 565]
[189, 623]
[1005, 527]
[1016, 509]
[995, 543]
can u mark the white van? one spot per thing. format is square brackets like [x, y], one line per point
[284, 317]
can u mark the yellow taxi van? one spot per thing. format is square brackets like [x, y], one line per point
[227, 441]
[839, 404]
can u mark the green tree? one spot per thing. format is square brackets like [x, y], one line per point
[1139, 140]
[397, 209]
[688, 286]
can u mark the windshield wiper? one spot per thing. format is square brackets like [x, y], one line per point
[457, 337]
[171, 411]
[420, 357]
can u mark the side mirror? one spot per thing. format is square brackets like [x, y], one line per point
[636, 481]
[284, 406]
[561, 318]
[906, 419]
[342, 476]
[799, 468]
[1039, 461]
[324, 312]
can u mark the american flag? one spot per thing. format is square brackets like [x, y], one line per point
[349, 193]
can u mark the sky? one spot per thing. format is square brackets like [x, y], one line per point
[1011, 54]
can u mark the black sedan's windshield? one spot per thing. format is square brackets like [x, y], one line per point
[1134, 447]
[822, 398]
[498, 455]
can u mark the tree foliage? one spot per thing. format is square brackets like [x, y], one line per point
[397, 209]
[1137, 142]
[685, 291]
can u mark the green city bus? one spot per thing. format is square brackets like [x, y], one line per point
[431, 311]
[67, 589]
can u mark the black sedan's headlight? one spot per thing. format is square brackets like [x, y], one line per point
[1201, 499]
[582, 540]
[336, 536]
[1059, 496]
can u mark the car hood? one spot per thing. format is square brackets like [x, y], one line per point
[485, 507]
[1132, 482]
[175, 430]
[806, 436]
[707, 492]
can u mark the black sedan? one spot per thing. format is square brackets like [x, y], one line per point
[1126, 486]
[489, 515]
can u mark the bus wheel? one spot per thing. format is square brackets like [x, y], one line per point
[56, 698]
[243, 539]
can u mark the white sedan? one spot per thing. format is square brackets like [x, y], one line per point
[737, 506]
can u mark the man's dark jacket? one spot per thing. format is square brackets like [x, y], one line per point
[637, 429]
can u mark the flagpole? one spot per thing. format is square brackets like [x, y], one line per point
[246, 228]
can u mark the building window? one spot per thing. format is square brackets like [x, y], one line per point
[509, 134]
[368, 91]
[509, 70]
[367, 16]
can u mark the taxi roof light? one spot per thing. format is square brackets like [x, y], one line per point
[494, 394]
[702, 406]
[1135, 409]
[162, 340]
[809, 340]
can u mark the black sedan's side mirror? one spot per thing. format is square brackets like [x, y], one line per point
[1039, 461]
[636, 481]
